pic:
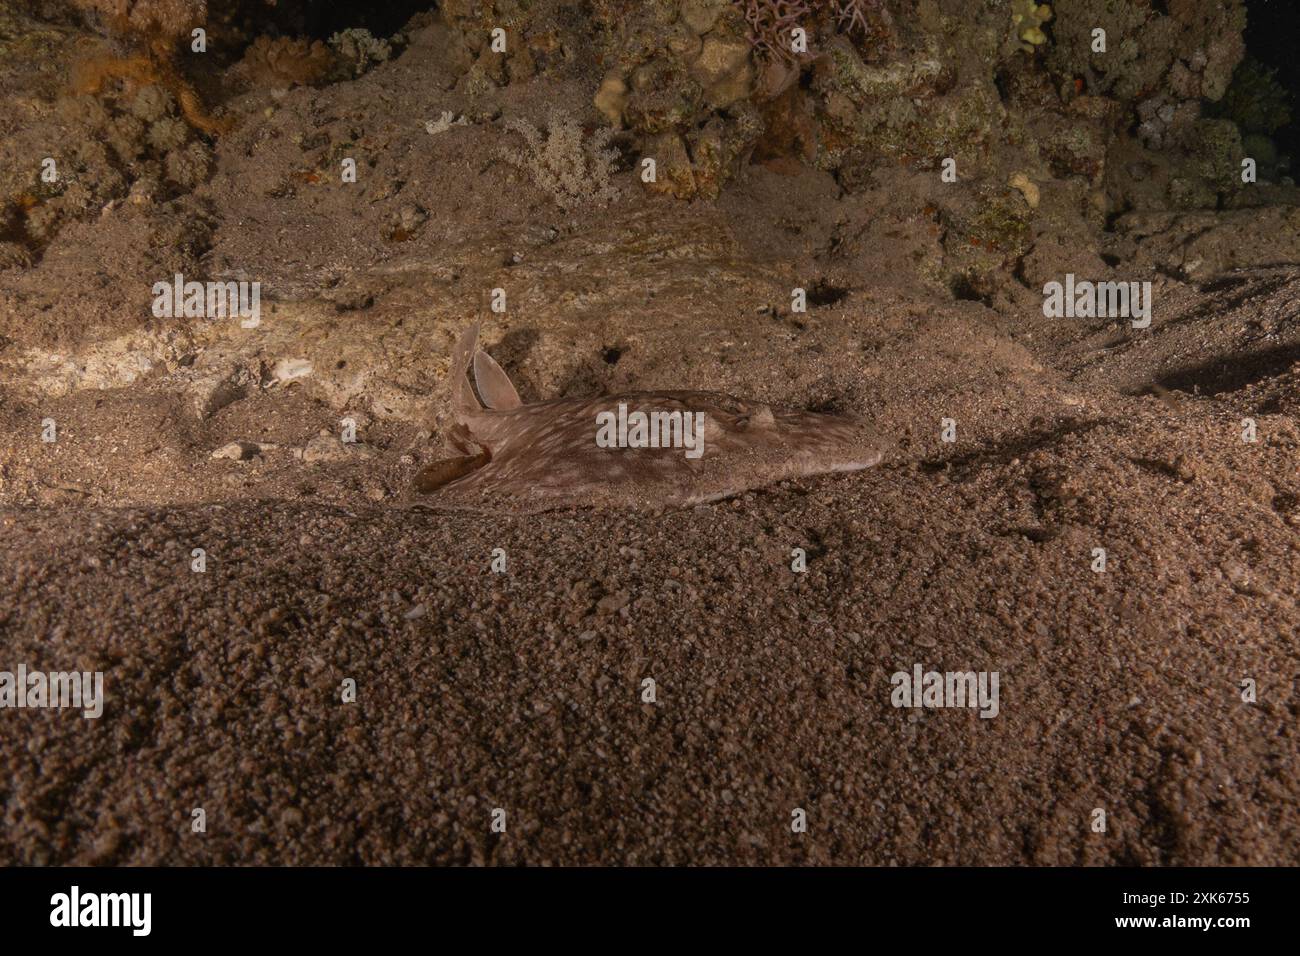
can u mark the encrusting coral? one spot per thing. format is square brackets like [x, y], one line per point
[284, 62]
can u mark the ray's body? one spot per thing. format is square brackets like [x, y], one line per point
[544, 455]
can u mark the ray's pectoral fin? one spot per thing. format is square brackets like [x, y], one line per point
[439, 473]
[494, 385]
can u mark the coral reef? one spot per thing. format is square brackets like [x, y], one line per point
[705, 83]
[539, 36]
[1056, 128]
[128, 148]
[78, 156]
[152, 28]
[683, 81]
[1190, 51]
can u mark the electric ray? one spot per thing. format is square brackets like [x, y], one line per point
[527, 458]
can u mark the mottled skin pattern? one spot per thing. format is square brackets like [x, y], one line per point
[524, 458]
